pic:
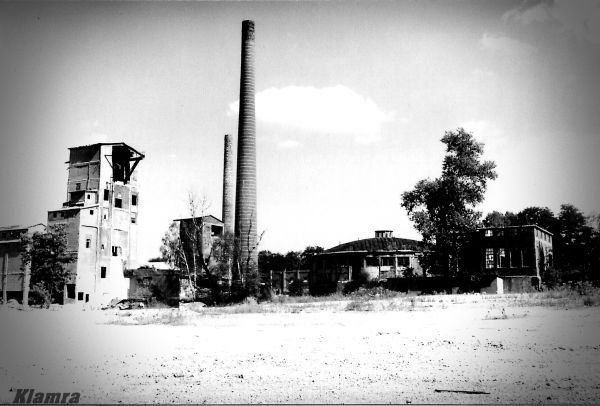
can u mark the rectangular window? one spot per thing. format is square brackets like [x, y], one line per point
[70, 291]
[372, 261]
[516, 260]
[79, 295]
[88, 196]
[118, 203]
[54, 214]
[88, 242]
[106, 195]
[403, 261]
[78, 186]
[489, 233]
[102, 272]
[387, 261]
[132, 219]
[91, 212]
[134, 200]
[116, 251]
[87, 297]
[489, 258]
[502, 259]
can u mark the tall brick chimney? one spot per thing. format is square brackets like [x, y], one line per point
[228, 186]
[245, 192]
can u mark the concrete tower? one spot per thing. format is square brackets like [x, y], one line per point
[245, 193]
[228, 186]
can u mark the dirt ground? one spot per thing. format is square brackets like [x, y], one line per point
[524, 354]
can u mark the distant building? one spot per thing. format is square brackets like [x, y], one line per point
[101, 218]
[192, 230]
[15, 282]
[518, 255]
[378, 258]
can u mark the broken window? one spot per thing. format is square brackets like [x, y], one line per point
[116, 251]
[489, 258]
[102, 272]
[106, 195]
[502, 260]
[118, 203]
[134, 200]
[79, 295]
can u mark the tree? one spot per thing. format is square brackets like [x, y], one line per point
[47, 255]
[497, 219]
[444, 207]
[308, 253]
[576, 241]
[540, 216]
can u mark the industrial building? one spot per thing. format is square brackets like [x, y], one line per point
[101, 218]
[15, 276]
[378, 258]
[517, 255]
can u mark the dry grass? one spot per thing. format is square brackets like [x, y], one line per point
[368, 301]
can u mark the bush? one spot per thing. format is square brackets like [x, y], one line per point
[296, 287]
[40, 296]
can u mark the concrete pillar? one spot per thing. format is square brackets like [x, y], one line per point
[4, 277]
[245, 193]
[26, 279]
[283, 281]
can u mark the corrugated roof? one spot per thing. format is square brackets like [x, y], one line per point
[379, 244]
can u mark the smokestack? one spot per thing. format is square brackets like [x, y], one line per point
[245, 192]
[228, 186]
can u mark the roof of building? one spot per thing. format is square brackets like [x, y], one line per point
[19, 227]
[518, 226]
[209, 219]
[108, 143]
[378, 244]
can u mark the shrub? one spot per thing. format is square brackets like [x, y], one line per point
[40, 296]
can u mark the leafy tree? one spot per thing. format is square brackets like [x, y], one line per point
[575, 240]
[497, 219]
[444, 207]
[307, 254]
[541, 216]
[47, 254]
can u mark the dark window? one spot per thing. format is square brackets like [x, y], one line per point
[79, 295]
[88, 196]
[87, 297]
[116, 251]
[515, 258]
[372, 261]
[54, 214]
[88, 242]
[387, 261]
[133, 220]
[502, 259]
[106, 194]
[78, 186]
[403, 261]
[103, 272]
[91, 212]
[134, 200]
[118, 203]
[70, 291]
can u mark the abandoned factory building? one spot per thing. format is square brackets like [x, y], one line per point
[378, 258]
[15, 280]
[517, 255]
[101, 218]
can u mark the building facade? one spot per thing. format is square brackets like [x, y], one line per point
[15, 277]
[198, 234]
[378, 258]
[518, 255]
[101, 218]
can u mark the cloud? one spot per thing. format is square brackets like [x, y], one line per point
[502, 43]
[582, 18]
[336, 110]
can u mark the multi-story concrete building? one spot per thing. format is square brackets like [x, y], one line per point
[15, 276]
[101, 218]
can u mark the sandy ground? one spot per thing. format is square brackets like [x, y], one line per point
[533, 355]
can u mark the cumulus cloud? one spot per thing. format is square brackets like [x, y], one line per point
[507, 45]
[329, 110]
[582, 18]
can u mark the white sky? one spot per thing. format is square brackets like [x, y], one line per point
[352, 100]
